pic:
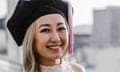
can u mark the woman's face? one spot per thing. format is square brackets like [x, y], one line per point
[51, 36]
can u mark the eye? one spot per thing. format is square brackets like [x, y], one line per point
[61, 29]
[45, 30]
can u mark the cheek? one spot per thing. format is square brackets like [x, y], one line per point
[65, 38]
[41, 41]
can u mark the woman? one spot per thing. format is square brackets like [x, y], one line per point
[41, 26]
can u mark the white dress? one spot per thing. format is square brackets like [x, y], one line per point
[63, 67]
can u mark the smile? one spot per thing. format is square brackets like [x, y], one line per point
[54, 47]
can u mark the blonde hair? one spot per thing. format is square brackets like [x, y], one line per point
[30, 55]
[30, 59]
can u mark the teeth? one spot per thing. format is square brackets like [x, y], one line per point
[54, 47]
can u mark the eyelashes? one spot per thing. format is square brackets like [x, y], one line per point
[61, 29]
[47, 30]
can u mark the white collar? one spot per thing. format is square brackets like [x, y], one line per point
[63, 67]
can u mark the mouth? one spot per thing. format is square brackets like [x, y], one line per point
[54, 47]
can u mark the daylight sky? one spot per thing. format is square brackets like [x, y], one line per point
[3, 8]
[83, 9]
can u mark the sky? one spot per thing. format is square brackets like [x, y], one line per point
[83, 9]
[3, 8]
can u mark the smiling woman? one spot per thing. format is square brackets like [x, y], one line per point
[53, 37]
[42, 27]
[3, 8]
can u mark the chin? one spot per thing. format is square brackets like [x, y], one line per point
[56, 56]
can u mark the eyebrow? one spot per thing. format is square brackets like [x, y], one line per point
[60, 23]
[48, 25]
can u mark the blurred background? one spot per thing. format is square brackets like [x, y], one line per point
[96, 31]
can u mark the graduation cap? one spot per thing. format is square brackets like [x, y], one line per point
[28, 11]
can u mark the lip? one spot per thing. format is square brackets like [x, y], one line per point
[54, 47]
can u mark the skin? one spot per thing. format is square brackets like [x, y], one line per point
[51, 32]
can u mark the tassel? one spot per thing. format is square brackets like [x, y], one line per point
[70, 16]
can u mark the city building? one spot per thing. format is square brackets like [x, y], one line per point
[106, 27]
[82, 35]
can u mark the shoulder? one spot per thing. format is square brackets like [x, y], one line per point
[77, 67]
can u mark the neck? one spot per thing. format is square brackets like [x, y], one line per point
[48, 62]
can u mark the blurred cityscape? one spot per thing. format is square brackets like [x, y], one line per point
[96, 46]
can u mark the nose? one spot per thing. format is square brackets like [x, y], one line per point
[55, 37]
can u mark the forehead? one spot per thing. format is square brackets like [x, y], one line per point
[50, 19]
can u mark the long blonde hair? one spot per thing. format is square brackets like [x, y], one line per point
[30, 57]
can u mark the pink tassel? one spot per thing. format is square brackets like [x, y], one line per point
[70, 16]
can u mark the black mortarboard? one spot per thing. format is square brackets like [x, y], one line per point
[28, 11]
